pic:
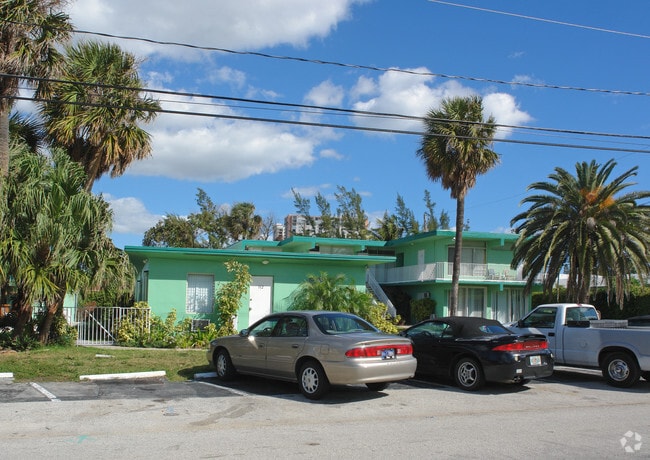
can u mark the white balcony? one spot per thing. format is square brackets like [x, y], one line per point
[442, 271]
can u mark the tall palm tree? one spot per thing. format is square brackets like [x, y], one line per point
[95, 113]
[29, 33]
[588, 224]
[455, 150]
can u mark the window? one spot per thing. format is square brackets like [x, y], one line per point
[471, 301]
[199, 297]
[542, 318]
[468, 255]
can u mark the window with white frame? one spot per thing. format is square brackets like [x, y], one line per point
[199, 297]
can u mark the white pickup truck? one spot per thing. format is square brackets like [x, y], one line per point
[578, 338]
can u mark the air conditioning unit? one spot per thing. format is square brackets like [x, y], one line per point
[199, 324]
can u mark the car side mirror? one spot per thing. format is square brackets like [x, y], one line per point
[243, 333]
[520, 323]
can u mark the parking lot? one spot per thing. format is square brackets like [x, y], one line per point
[572, 414]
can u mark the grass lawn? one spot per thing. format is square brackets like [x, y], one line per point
[61, 364]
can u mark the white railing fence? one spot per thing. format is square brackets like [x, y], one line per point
[99, 325]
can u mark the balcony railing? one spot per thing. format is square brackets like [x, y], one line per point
[443, 271]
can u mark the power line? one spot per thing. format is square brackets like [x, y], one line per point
[533, 18]
[333, 126]
[355, 66]
[318, 108]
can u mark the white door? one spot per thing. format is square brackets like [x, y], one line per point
[260, 298]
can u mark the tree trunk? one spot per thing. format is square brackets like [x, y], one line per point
[52, 309]
[458, 248]
[4, 142]
[24, 315]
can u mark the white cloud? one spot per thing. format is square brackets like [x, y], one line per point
[326, 94]
[331, 153]
[130, 215]
[307, 191]
[252, 24]
[415, 95]
[228, 75]
[224, 151]
[504, 108]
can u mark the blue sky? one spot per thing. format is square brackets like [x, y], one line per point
[236, 161]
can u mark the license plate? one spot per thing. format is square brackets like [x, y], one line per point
[535, 360]
[388, 353]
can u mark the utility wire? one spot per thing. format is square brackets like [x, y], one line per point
[533, 18]
[367, 67]
[334, 126]
[355, 66]
[318, 108]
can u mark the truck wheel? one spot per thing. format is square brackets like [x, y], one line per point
[620, 370]
[468, 374]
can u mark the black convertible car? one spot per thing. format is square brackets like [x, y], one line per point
[475, 350]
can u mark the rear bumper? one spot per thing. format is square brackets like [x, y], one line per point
[520, 368]
[369, 370]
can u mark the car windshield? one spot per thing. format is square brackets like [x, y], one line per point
[342, 324]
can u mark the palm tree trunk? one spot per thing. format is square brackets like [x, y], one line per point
[458, 248]
[55, 305]
[24, 314]
[4, 141]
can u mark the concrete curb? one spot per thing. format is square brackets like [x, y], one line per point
[126, 376]
[205, 375]
[6, 375]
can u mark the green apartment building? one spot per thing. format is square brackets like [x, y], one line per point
[186, 279]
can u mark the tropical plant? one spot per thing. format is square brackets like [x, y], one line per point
[27, 130]
[331, 293]
[455, 151]
[29, 33]
[388, 228]
[587, 224]
[172, 231]
[422, 309]
[242, 223]
[229, 296]
[95, 109]
[55, 236]
[353, 218]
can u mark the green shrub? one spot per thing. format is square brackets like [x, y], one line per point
[422, 309]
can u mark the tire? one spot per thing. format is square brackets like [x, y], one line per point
[223, 365]
[620, 370]
[312, 380]
[381, 386]
[468, 374]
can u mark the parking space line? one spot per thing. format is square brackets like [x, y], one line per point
[231, 390]
[43, 391]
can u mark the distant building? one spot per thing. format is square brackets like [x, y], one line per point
[299, 225]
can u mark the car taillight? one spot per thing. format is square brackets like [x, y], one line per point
[376, 351]
[523, 346]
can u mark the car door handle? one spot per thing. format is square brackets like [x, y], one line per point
[295, 345]
[551, 334]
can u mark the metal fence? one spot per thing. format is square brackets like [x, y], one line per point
[99, 325]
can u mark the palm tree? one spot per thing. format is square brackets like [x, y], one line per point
[29, 33]
[588, 224]
[58, 235]
[95, 113]
[242, 223]
[455, 151]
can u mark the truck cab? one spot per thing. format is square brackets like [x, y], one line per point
[545, 319]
